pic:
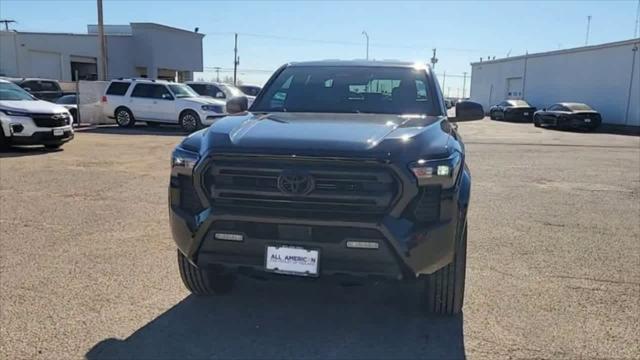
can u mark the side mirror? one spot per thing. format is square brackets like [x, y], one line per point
[237, 105]
[468, 111]
[544, 109]
[220, 95]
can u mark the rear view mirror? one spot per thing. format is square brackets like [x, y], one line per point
[237, 104]
[468, 111]
[220, 95]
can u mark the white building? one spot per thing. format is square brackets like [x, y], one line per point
[605, 76]
[136, 50]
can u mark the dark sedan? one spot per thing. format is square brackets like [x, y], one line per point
[568, 115]
[512, 110]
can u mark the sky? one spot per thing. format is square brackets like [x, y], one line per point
[272, 33]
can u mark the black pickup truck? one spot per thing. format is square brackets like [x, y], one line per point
[338, 169]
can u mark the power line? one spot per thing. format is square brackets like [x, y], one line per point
[340, 42]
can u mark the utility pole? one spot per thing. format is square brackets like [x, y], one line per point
[444, 78]
[434, 59]
[236, 60]
[367, 36]
[217, 68]
[6, 23]
[102, 46]
[586, 40]
[637, 28]
[464, 83]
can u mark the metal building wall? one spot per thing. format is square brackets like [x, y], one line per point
[600, 76]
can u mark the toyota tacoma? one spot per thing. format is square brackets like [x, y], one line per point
[339, 168]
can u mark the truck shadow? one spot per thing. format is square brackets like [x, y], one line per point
[306, 320]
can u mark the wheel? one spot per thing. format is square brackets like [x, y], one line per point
[536, 121]
[124, 117]
[4, 144]
[52, 146]
[445, 288]
[203, 281]
[491, 116]
[74, 115]
[190, 121]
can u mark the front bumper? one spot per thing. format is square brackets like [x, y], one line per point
[406, 248]
[42, 138]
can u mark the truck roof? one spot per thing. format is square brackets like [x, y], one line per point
[363, 63]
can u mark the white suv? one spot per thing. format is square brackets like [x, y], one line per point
[218, 90]
[158, 101]
[25, 120]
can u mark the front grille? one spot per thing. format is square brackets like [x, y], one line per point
[356, 188]
[50, 120]
[320, 234]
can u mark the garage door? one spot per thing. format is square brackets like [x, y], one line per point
[45, 64]
[514, 88]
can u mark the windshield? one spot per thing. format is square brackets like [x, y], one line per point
[67, 99]
[234, 91]
[13, 92]
[182, 91]
[519, 103]
[579, 107]
[348, 89]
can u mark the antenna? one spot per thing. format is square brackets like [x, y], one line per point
[586, 40]
[6, 23]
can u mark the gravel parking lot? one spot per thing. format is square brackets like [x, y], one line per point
[88, 266]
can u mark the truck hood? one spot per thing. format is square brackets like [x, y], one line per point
[320, 133]
[32, 106]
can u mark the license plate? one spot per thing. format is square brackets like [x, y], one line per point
[587, 120]
[58, 132]
[292, 260]
[525, 114]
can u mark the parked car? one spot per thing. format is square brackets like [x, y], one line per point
[70, 103]
[26, 120]
[219, 91]
[250, 90]
[512, 110]
[346, 168]
[568, 115]
[159, 102]
[43, 89]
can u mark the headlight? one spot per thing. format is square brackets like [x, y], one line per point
[214, 108]
[442, 172]
[15, 113]
[184, 159]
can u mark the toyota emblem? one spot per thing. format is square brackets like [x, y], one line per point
[295, 183]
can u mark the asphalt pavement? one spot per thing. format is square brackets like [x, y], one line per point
[88, 267]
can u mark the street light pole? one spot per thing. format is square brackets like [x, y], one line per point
[367, 36]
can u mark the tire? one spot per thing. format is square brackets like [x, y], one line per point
[4, 144]
[491, 116]
[204, 281]
[445, 288]
[74, 115]
[52, 146]
[189, 121]
[536, 122]
[124, 117]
